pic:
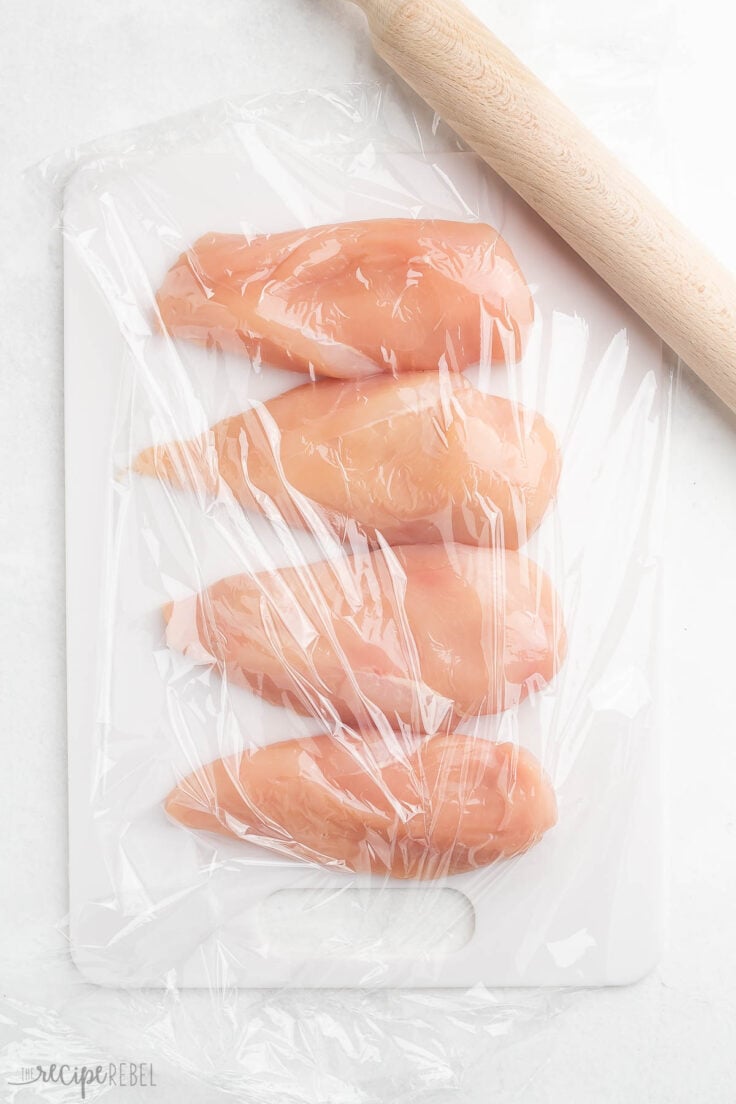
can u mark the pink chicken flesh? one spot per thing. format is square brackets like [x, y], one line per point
[418, 635]
[452, 805]
[418, 458]
[349, 300]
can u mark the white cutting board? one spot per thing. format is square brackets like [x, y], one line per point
[152, 904]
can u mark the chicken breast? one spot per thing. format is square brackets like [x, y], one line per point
[352, 299]
[422, 457]
[453, 804]
[418, 635]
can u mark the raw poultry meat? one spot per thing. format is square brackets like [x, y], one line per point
[421, 457]
[424, 636]
[352, 299]
[452, 804]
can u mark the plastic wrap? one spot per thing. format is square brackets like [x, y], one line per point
[364, 487]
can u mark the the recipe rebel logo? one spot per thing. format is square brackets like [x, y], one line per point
[122, 1075]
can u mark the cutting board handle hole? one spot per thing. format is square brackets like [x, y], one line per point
[381, 923]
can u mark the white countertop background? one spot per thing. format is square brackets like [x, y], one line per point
[72, 71]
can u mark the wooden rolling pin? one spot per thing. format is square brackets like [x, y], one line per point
[542, 150]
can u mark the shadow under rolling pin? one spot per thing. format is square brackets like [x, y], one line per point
[539, 147]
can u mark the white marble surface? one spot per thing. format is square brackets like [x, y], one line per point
[70, 72]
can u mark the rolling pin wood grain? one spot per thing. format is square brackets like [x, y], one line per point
[572, 181]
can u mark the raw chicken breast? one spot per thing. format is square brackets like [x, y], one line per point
[454, 804]
[352, 299]
[418, 635]
[418, 458]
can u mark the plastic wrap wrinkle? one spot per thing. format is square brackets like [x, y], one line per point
[362, 667]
